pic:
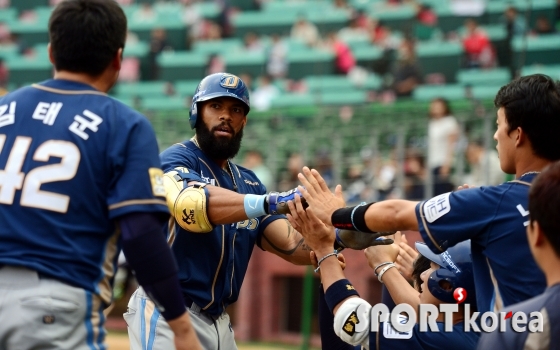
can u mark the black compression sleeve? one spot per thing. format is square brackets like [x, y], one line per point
[148, 254]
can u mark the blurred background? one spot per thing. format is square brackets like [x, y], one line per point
[391, 99]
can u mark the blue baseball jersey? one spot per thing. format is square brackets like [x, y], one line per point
[494, 218]
[388, 338]
[212, 265]
[73, 160]
[548, 305]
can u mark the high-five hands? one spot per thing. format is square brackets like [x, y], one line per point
[318, 196]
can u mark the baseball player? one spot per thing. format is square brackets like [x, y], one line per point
[543, 233]
[494, 218]
[221, 211]
[448, 272]
[80, 179]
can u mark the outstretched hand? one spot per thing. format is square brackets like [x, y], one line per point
[318, 196]
[318, 236]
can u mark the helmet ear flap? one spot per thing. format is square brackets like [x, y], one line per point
[193, 115]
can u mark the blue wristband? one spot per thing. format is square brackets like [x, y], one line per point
[254, 205]
[338, 291]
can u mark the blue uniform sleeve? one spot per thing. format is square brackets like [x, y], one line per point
[137, 183]
[180, 156]
[453, 217]
[264, 222]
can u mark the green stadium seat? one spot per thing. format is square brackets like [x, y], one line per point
[21, 5]
[8, 15]
[224, 46]
[141, 89]
[139, 49]
[485, 92]
[326, 83]
[552, 71]
[294, 7]
[165, 103]
[373, 82]
[364, 55]
[542, 49]
[343, 97]
[264, 23]
[171, 22]
[395, 17]
[292, 100]
[182, 65]
[32, 32]
[429, 92]
[9, 52]
[24, 70]
[208, 9]
[245, 62]
[329, 19]
[186, 87]
[440, 57]
[310, 62]
[477, 77]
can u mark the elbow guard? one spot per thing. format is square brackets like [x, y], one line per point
[187, 204]
[352, 321]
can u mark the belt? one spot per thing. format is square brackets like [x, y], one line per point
[197, 309]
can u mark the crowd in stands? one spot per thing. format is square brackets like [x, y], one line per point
[398, 67]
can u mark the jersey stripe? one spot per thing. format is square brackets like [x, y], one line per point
[218, 269]
[68, 92]
[427, 228]
[137, 202]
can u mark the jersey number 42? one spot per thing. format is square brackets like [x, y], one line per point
[12, 178]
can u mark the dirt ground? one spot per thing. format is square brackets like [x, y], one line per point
[119, 341]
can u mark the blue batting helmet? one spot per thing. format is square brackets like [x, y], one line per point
[455, 267]
[218, 85]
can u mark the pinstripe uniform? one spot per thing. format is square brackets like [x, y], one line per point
[73, 161]
[494, 219]
[211, 265]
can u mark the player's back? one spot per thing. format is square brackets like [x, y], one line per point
[63, 147]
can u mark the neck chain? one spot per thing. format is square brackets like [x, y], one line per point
[530, 172]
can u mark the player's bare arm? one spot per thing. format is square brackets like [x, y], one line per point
[390, 215]
[399, 288]
[190, 203]
[282, 239]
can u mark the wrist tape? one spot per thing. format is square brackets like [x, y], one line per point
[352, 218]
[338, 291]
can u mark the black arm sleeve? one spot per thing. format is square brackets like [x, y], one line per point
[150, 257]
[329, 339]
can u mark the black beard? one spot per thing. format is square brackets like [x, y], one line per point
[218, 148]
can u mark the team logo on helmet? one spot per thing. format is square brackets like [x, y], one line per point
[229, 81]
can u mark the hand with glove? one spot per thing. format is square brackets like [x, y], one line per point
[359, 240]
[278, 201]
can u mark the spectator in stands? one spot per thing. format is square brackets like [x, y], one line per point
[224, 19]
[130, 70]
[443, 133]
[515, 23]
[252, 43]
[215, 64]
[414, 175]
[277, 60]
[248, 80]
[158, 43]
[254, 161]
[5, 35]
[353, 31]
[191, 13]
[543, 26]
[4, 75]
[305, 31]
[344, 59]
[382, 36]
[363, 20]
[479, 52]
[425, 15]
[145, 13]
[406, 73]
[264, 94]
[22, 46]
[484, 165]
